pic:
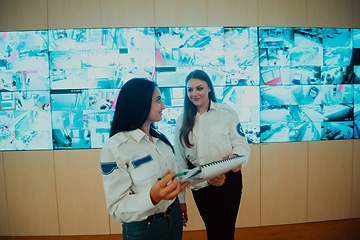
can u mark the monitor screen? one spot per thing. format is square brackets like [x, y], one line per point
[58, 88]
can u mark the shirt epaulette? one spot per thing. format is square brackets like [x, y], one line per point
[223, 106]
[117, 140]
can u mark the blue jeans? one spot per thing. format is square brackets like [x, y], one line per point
[164, 228]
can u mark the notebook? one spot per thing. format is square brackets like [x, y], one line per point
[210, 170]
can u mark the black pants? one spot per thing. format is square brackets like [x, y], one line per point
[218, 206]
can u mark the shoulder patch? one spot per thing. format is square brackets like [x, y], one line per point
[108, 167]
[240, 130]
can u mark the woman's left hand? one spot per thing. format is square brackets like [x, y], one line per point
[235, 169]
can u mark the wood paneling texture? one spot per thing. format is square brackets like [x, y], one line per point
[355, 200]
[232, 13]
[284, 183]
[31, 193]
[330, 180]
[80, 193]
[174, 13]
[4, 216]
[19, 15]
[249, 212]
[282, 13]
[74, 14]
[329, 13]
[135, 13]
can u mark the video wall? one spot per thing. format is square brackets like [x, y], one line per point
[58, 88]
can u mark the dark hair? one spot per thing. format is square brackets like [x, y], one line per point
[133, 105]
[190, 109]
[133, 108]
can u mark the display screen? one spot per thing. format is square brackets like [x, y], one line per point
[58, 88]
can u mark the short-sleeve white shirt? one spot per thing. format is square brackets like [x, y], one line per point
[131, 164]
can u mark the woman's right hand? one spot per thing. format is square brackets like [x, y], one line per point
[218, 180]
[163, 190]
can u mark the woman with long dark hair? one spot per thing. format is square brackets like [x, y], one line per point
[208, 131]
[133, 159]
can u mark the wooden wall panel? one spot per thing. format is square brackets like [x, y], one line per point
[4, 217]
[355, 200]
[18, 15]
[74, 14]
[80, 192]
[282, 13]
[284, 183]
[329, 13]
[330, 176]
[124, 13]
[249, 212]
[355, 14]
[185, 13]
[31, 193]
[115, 227]
[230, 13]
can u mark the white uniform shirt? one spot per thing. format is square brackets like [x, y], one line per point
[216, 134]
[131, 164]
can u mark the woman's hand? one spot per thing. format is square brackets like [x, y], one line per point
[163, 190]
[235, 169]
[184, 213]
[218, 180]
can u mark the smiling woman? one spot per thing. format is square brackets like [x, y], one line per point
[133, 159]
[208, 131]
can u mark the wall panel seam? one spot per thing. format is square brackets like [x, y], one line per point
[260, 184]
[56, 194]
[6, 196]
[352, 176]
[307, 182]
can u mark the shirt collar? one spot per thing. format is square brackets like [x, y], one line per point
[137, 134]
[212, 105]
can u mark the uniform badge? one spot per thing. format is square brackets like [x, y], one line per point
[138, 162]
[240, 130]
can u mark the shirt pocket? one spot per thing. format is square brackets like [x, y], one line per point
[219, 137]
[219, 131]
[146, 171]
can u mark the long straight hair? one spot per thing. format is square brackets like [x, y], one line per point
[133, 105]
[190, 109]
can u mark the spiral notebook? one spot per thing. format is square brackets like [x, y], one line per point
[210, 170]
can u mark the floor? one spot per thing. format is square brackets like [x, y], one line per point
[348, 229]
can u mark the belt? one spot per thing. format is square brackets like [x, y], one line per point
[161, 214]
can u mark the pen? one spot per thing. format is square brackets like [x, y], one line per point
[176, 175]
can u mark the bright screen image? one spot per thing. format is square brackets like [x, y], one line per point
[58, 88]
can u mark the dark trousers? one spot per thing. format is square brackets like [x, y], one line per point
[218, 206]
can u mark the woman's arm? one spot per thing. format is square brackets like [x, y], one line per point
[178, 148]
[238, 139]
[181, 161]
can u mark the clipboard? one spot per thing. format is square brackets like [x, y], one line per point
[210, 170]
